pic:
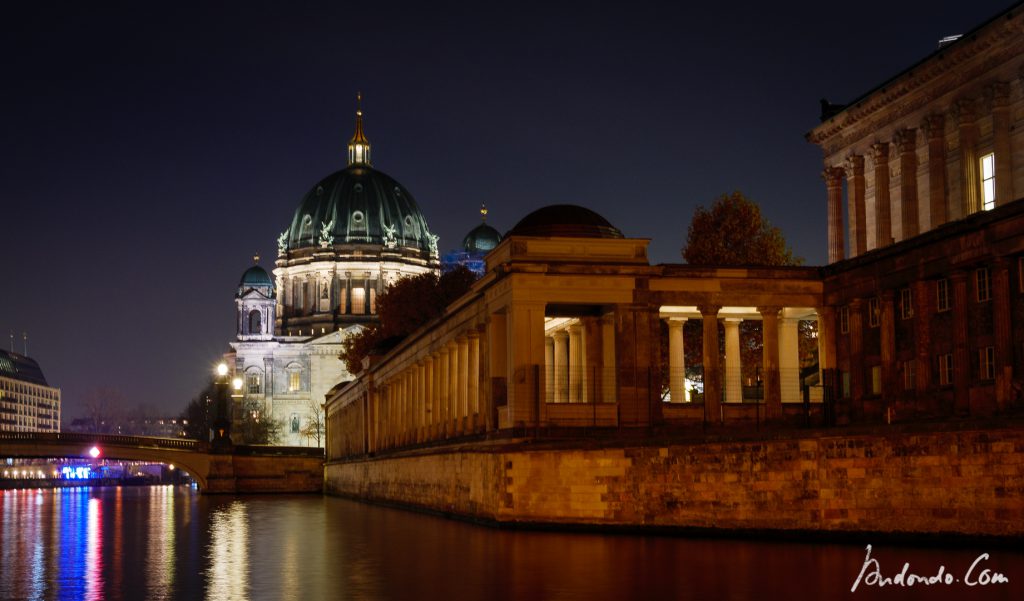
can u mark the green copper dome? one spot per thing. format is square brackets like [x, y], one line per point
[483, 238]
[358, 205]
[255, 276]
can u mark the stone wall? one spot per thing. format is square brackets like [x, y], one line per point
[962, 482]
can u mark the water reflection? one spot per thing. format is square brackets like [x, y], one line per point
[170, 543]
[228, 556]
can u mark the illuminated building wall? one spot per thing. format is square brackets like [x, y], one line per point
[27, 402]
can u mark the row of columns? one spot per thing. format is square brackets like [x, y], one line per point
[933, 127]
[570, 375]
[437, 397]
[780, 357]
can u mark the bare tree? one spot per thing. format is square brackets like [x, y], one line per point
[315, 423]
[103, 408]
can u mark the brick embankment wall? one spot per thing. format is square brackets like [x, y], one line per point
[965, 482]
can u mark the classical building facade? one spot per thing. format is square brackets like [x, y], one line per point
[926, 277]
[27, 402]
[919, 313]
[355, 231]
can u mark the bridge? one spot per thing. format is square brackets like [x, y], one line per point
[235, 469]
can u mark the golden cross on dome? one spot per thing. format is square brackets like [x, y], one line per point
[256, 258]
[483, 212]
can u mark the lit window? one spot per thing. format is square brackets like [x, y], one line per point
[845, 378]
[906, 303]
[942, 290]
[876, 379]
[294, 378]
[844, 320]
[987, 363]
[358, 301]
[984, 284]
[874, 315]
[255, 382]
[988, 181]
[908, 375]
[946, 369]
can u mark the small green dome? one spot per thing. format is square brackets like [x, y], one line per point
[255, 277]
[483, 238]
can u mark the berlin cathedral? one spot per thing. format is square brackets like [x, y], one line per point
[353, 233]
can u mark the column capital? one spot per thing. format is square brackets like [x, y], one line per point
[854, 165]
[733, 320]
[906, 140]
[833, 176]
[770, 311]
[934, 126]
[709, 310]
[473, 334]
[855, 303]
[880, 151]
[958, 275]
[560, 334]
[963, 111]
[677, 321]
[998, 94]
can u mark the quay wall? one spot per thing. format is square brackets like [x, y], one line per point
[957, 482]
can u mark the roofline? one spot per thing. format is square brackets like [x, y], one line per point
[968, 35]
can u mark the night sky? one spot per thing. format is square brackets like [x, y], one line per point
[150, 149]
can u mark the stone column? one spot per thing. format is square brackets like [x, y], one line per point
[430, 406]
[463, 381]
[609, 365]
[1002, 326]
[887, 343]
[445, 390]
[924, 303]
[473, 367]
[454, 417]
[789, 359]
[549, 368]
[961, 357]
[826, 338]
[712, 371]
[855, 205]
[525, 357]
[1001, 146]
[857, 349]
[575, 364]
[770, 360]
[561, 347]
[935, 127]
[970, 186]
[733, 371]
[676, 360]
[906, 143]
[883, 208]
[833, 177]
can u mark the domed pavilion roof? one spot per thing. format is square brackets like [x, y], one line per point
[255, 276]
[483, 238]
[567, 221]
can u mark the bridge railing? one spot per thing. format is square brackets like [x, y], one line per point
[108, 439]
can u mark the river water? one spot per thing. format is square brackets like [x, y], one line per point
[173, 543]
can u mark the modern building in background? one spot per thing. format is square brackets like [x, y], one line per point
[355, 232]
[27, 402]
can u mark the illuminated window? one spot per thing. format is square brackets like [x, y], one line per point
[942, 294]
[987, 363]
[874, 314]
[254, 381]
[294, 378]
[946, 369]
[906, 303]
[358, 301]
[844, 320]
[988, 181]
[984, 284]
[876, 379]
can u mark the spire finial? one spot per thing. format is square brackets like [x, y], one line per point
[483, 212]
[256, 258]
[359, 146]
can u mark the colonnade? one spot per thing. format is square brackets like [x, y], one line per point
[902, 150]
[435, 398]
[579, 358]
[781, 355]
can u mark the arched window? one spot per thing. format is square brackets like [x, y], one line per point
[255, 322]
[294, 372]
[254, 381]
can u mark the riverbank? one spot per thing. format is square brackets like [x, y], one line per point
[929, 481]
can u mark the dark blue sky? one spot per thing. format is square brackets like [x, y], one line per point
[148, 150]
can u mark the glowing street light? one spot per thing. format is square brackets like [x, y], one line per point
[222, 369]
[94, 452]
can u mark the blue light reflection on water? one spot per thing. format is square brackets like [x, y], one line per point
[171, 543]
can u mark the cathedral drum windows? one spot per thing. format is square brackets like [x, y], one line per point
[988, 181]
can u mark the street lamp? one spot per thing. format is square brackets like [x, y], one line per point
[222, 424]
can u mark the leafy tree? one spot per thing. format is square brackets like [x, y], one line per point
[403, 308]
[198, 415]
[733, 232]
[316, 424]
[255, 425]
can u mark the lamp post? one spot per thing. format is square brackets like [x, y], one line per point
[222, 423]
